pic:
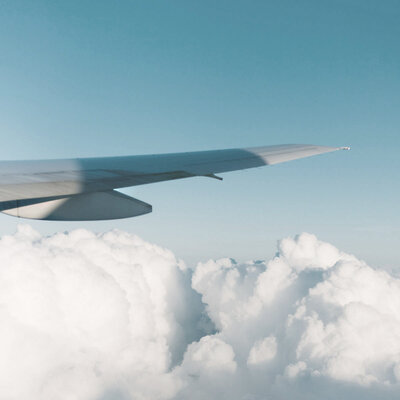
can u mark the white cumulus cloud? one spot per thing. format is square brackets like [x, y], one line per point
[263, 350]
[109, 316]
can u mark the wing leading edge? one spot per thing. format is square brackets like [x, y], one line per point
[83, 189]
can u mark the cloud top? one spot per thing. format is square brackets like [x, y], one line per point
[111, 316]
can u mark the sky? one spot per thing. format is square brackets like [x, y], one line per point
[84, 78]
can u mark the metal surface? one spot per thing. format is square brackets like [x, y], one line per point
[44, 179]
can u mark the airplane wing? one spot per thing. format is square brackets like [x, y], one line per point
[83, 189]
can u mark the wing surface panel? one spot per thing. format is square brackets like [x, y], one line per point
[38, 179]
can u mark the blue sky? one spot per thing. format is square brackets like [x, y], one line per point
[84, 78]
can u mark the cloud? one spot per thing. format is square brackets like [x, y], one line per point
[262, 351]
[109, 316]
[82, 313]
